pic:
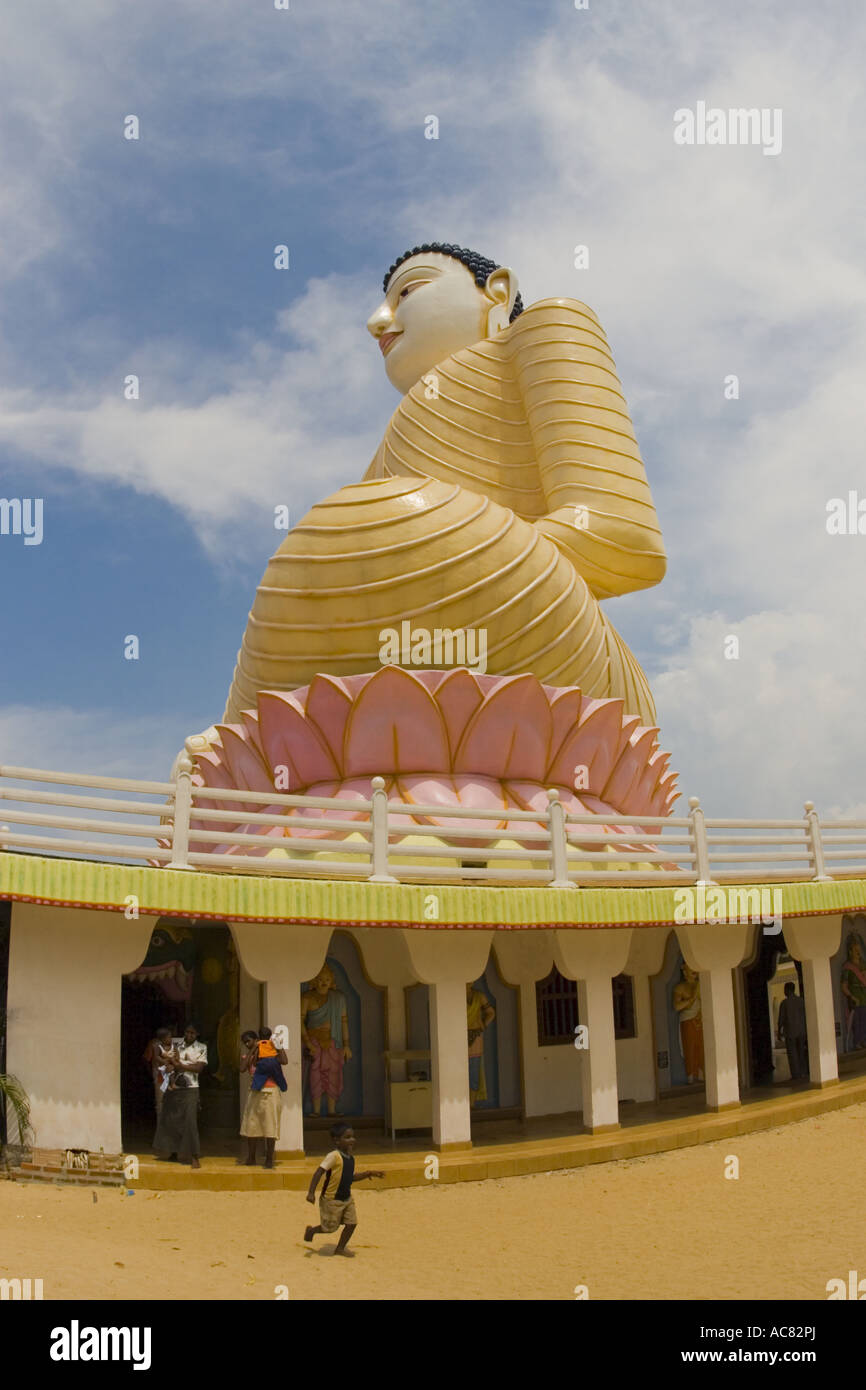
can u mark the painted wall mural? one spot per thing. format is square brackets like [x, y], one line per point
[480, 1014]
[331, 1036]
[685, 1027]
[852, 978]
[169, 963]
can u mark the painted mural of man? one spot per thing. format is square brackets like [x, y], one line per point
[325, 1036]
[687, 1002]
[854, 989]
[480, 1013]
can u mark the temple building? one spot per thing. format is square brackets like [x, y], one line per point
[451, 867]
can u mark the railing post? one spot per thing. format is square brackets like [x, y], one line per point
[558, 841]
[379, 829]
[181, 813]
[816, 844]
[700, 845]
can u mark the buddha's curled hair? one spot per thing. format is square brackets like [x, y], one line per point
[479, 266]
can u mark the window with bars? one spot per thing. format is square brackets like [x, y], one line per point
[623, 1007]
[556, 1006]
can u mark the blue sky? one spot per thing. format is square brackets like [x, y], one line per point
[260, 387]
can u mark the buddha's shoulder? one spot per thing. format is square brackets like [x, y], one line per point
[566, 313]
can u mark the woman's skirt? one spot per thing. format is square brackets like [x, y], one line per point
[177, 1128]
[262, 1114]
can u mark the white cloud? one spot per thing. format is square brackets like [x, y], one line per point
[98, 742]
[779, 725]
[281, 424]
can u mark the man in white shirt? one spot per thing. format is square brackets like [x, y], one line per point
[177, 1130]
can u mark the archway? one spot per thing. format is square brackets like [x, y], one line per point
[759, 1019]
[189, 974]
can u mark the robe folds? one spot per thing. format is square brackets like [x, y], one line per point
[508, 496]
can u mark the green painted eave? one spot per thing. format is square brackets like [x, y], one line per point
[85, 883]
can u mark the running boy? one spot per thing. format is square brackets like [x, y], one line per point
[338, 1209]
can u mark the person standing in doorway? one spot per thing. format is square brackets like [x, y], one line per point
[792, 1032]
[261, 1118]
[177, 1130]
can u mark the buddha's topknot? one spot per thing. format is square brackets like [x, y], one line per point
[479, 266]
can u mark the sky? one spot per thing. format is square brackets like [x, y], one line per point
[260, 387]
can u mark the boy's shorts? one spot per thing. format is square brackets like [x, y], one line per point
[333, 1213]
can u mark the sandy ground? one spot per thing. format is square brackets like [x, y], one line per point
[668, 1226]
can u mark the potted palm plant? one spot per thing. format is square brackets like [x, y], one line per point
[14, 1101]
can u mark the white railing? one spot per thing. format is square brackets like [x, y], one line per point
[184, 826]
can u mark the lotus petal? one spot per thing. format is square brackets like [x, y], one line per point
[441, 739]
[593, 745]
[629, 768]
[458, 696]
[509, 735]
[327, 706]
[292, 741]
[395, 726]
[342, 794]
[245, 766]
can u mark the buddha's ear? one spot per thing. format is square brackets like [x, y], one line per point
[500, 287]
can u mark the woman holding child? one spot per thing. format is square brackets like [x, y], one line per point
[177, 1125]
[261, 1119]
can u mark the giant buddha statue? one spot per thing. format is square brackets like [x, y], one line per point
[507, 496]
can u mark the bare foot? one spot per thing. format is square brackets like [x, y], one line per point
[350, 1254]
[308, 1233]
[194, 1163]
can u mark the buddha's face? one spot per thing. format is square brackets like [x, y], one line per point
[433, 308]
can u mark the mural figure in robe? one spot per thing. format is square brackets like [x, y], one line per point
[325, 1037]
[853, 980]
[480, 1013]
[687, 1002]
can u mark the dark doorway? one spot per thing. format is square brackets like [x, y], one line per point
[190, 974]
[144, 1008]
[756, 978]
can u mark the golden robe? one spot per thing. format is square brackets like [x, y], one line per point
[508, 495]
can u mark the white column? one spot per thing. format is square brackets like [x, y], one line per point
[593, 957]
[812, 941]
[447, 961]
[285, 955]
[714, 949]
[598, 1061]
[63, 1019]
[451, 1113]
[720, 1039]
